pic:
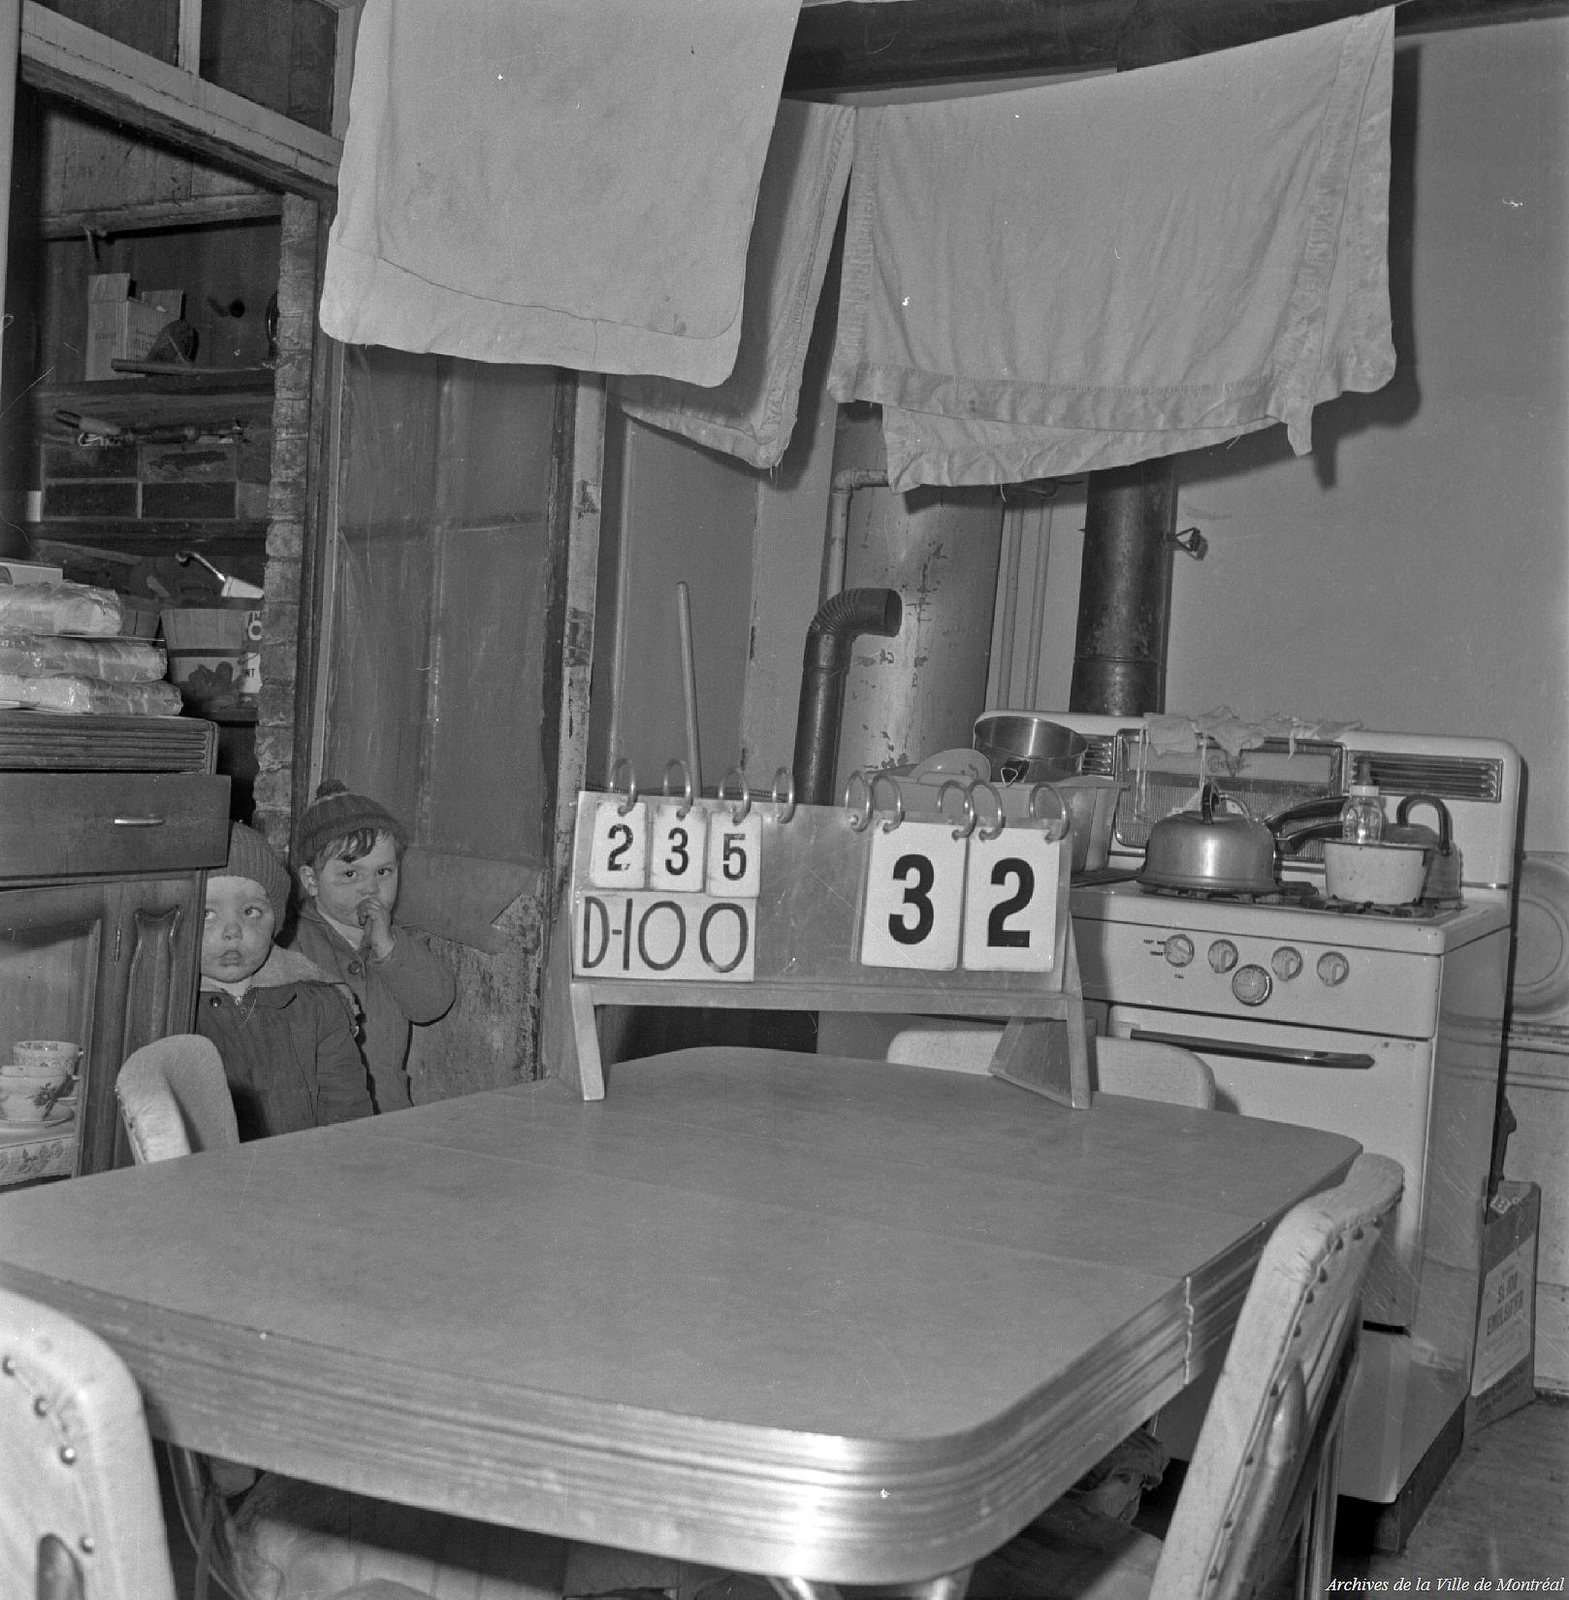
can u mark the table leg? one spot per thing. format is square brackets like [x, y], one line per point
[950, 1586]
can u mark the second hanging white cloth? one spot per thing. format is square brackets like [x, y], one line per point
[752, 413]
[565, 182]
[1049, 281]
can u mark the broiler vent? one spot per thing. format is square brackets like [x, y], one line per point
[1100, 760]
[1449, 777]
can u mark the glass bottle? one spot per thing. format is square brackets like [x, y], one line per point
[1362, 818]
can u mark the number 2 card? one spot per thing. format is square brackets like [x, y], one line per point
[1010, 902]
[618, 855]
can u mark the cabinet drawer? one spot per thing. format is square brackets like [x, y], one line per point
[71, 824]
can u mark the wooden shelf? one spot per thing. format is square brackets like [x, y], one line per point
[203, 395]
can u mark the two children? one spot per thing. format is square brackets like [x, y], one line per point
[285, 1034]
[284, 1019]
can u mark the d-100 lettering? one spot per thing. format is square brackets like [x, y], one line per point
[649, 935]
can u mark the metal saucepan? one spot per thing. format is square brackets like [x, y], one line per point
[1226, 850]
[1024, 748]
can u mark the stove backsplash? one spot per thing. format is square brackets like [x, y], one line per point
[1478, 780]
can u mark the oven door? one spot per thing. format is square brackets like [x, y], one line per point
[1374, 1089]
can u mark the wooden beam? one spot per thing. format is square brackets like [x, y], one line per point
[62, 57]
[847, 44]
[197, 211]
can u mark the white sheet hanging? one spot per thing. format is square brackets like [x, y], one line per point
[564, 182]
[752, 413]
[1042, 282]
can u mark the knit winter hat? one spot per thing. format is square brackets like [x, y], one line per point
[250, 856]
[334, 814]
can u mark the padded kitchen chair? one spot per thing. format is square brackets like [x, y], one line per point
[174, 1099]
[80, 1517]
[1257, 1506]
[1138, 1068]
[288, 1538]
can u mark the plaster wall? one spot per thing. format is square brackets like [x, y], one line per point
[1413, 571]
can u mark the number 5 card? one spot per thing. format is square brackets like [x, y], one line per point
[1010, 902]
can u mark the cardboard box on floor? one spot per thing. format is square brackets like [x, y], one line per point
[1503, 1371]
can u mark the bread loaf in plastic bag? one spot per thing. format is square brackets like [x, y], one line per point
[72, 693]
[37, 655]
[59, 608]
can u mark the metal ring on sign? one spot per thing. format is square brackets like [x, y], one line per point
[1062, 807]
[787, 802]
[969, 807]
[865, 813]
[898, 799]
[1002, 821]
[631, 799]
[740, 811]
[686, 785]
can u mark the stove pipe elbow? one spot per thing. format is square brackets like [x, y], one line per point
[829, 636]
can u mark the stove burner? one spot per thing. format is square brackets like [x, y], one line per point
[1304, 897]
[1411, 911]
[1293, 894]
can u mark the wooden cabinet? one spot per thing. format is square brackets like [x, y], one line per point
[107, 828]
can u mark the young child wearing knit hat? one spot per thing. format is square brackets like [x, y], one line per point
[348, 854]
[285, 1032]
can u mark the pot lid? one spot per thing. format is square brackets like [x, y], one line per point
[1541, 974]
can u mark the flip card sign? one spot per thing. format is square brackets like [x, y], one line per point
[757, 903]
[683, 889]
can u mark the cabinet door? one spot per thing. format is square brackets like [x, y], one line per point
[55, 948]
[149, 991]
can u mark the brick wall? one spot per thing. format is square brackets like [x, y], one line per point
[282, 717]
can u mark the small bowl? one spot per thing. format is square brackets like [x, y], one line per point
[1378, 874]
[29, 1099]
[27, 1072]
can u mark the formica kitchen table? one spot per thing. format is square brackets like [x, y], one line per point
[818, 1318]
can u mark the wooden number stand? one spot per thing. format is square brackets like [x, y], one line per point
[766, 905]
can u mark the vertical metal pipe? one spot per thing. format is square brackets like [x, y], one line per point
[1130, 517]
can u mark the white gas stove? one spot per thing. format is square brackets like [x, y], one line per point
[1382, 1023]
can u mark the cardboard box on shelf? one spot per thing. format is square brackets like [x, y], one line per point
[1503, 1370]
[121, 325]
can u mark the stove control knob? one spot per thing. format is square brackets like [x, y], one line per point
[1286, 963]
[1223, 955]
[1251, 985]
[1178, 949]
[1333, 968]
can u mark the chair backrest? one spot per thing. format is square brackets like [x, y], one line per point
[1139, 1068]
[175, 1098]
[1262, 1478]
[1145, 1070]
[80, 1514]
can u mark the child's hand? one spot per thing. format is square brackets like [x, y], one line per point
[376, 920]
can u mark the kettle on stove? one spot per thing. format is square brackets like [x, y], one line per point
[1443, 869]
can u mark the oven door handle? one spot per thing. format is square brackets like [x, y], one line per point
[1256, 1052]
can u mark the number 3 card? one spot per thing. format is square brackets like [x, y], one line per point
[914, 892]
[1010, 900]
[676, 859]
